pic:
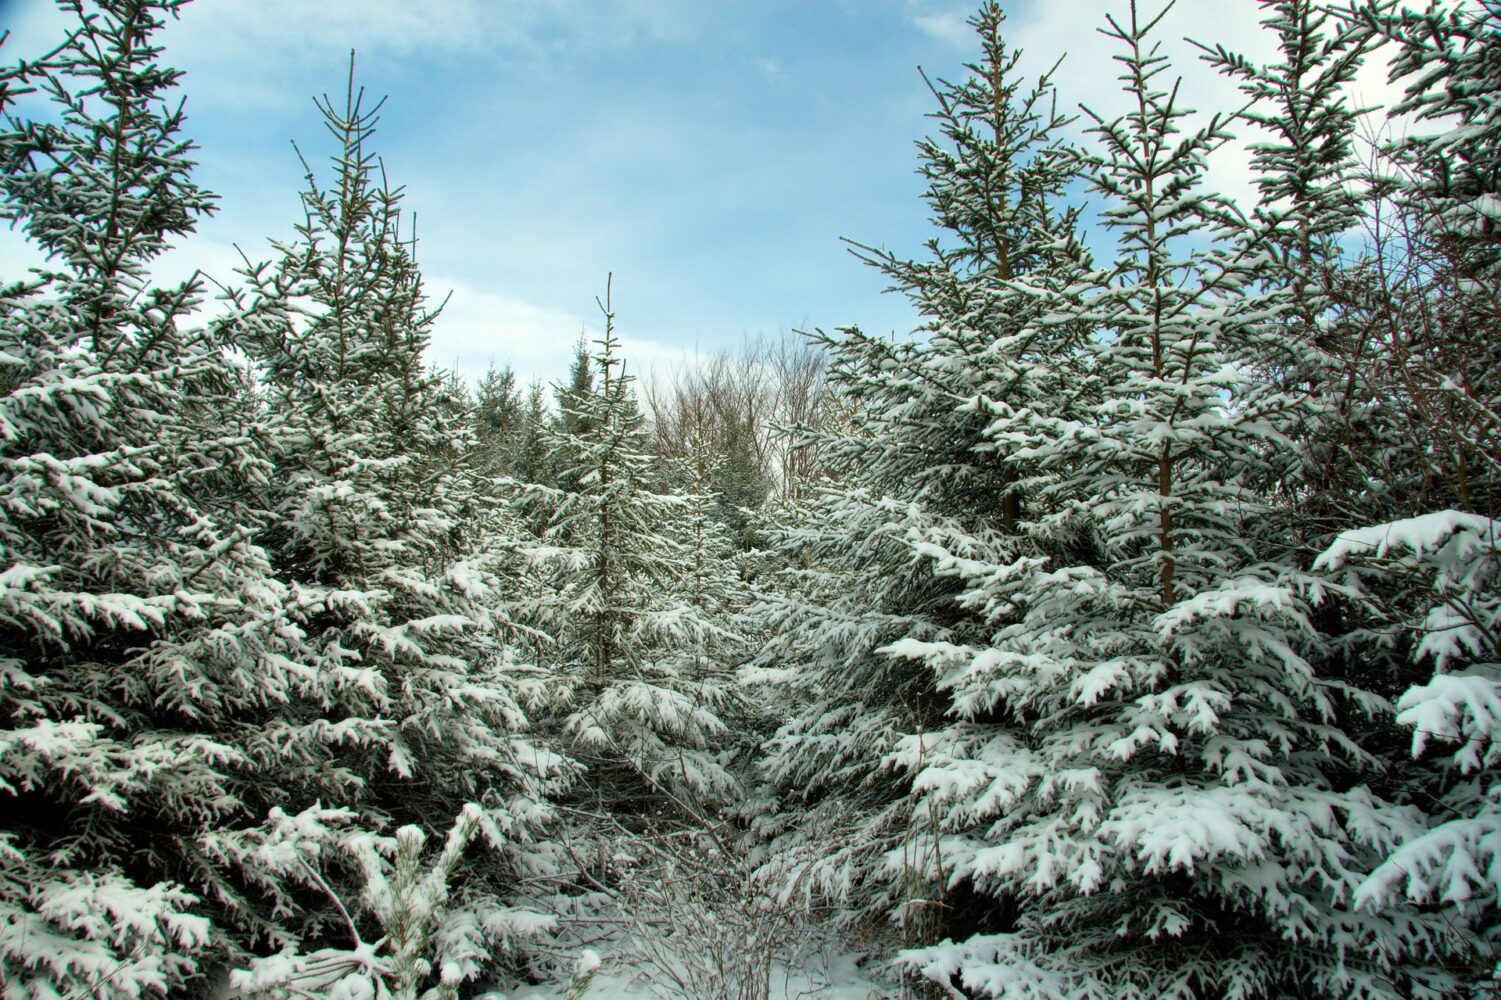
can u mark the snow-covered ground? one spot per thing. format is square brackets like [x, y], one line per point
[833, 976]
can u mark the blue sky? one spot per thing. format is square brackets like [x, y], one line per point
[711, 153]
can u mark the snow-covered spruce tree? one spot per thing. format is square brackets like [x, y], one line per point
[872, 732]
[569, 419]
[1431, 586]
[1348, 432]
[1313, 198]
[1424, 584]
[1183, 811]
[1429, 301]
[147, 646]
[713, 586]
[1148, 790]
[633, 688]
[1449, 56]
[530, 462]
[1378, 315]
[700, 916]
[394, 546]
[499, 421]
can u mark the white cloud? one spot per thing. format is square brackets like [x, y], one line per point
[526, 236]
[271, 54]
[293, 29]
[770, 67]
[652, 361]
[478, 328]
[946, 26]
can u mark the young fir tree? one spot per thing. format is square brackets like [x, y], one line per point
[396, 548]
[570, 420]
[148, 649]
[1430, 587]
[498, 420]
[1429, 296]
[530, 463]
[1142, 777]
[631, 689]
[631, 640]
[712, 586]
[1187, 771]
[1448, 56]
[1312, 198]
[874, 731]
[1425, 586]
[1360, 460]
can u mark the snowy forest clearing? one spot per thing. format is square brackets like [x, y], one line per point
[1130, 631]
